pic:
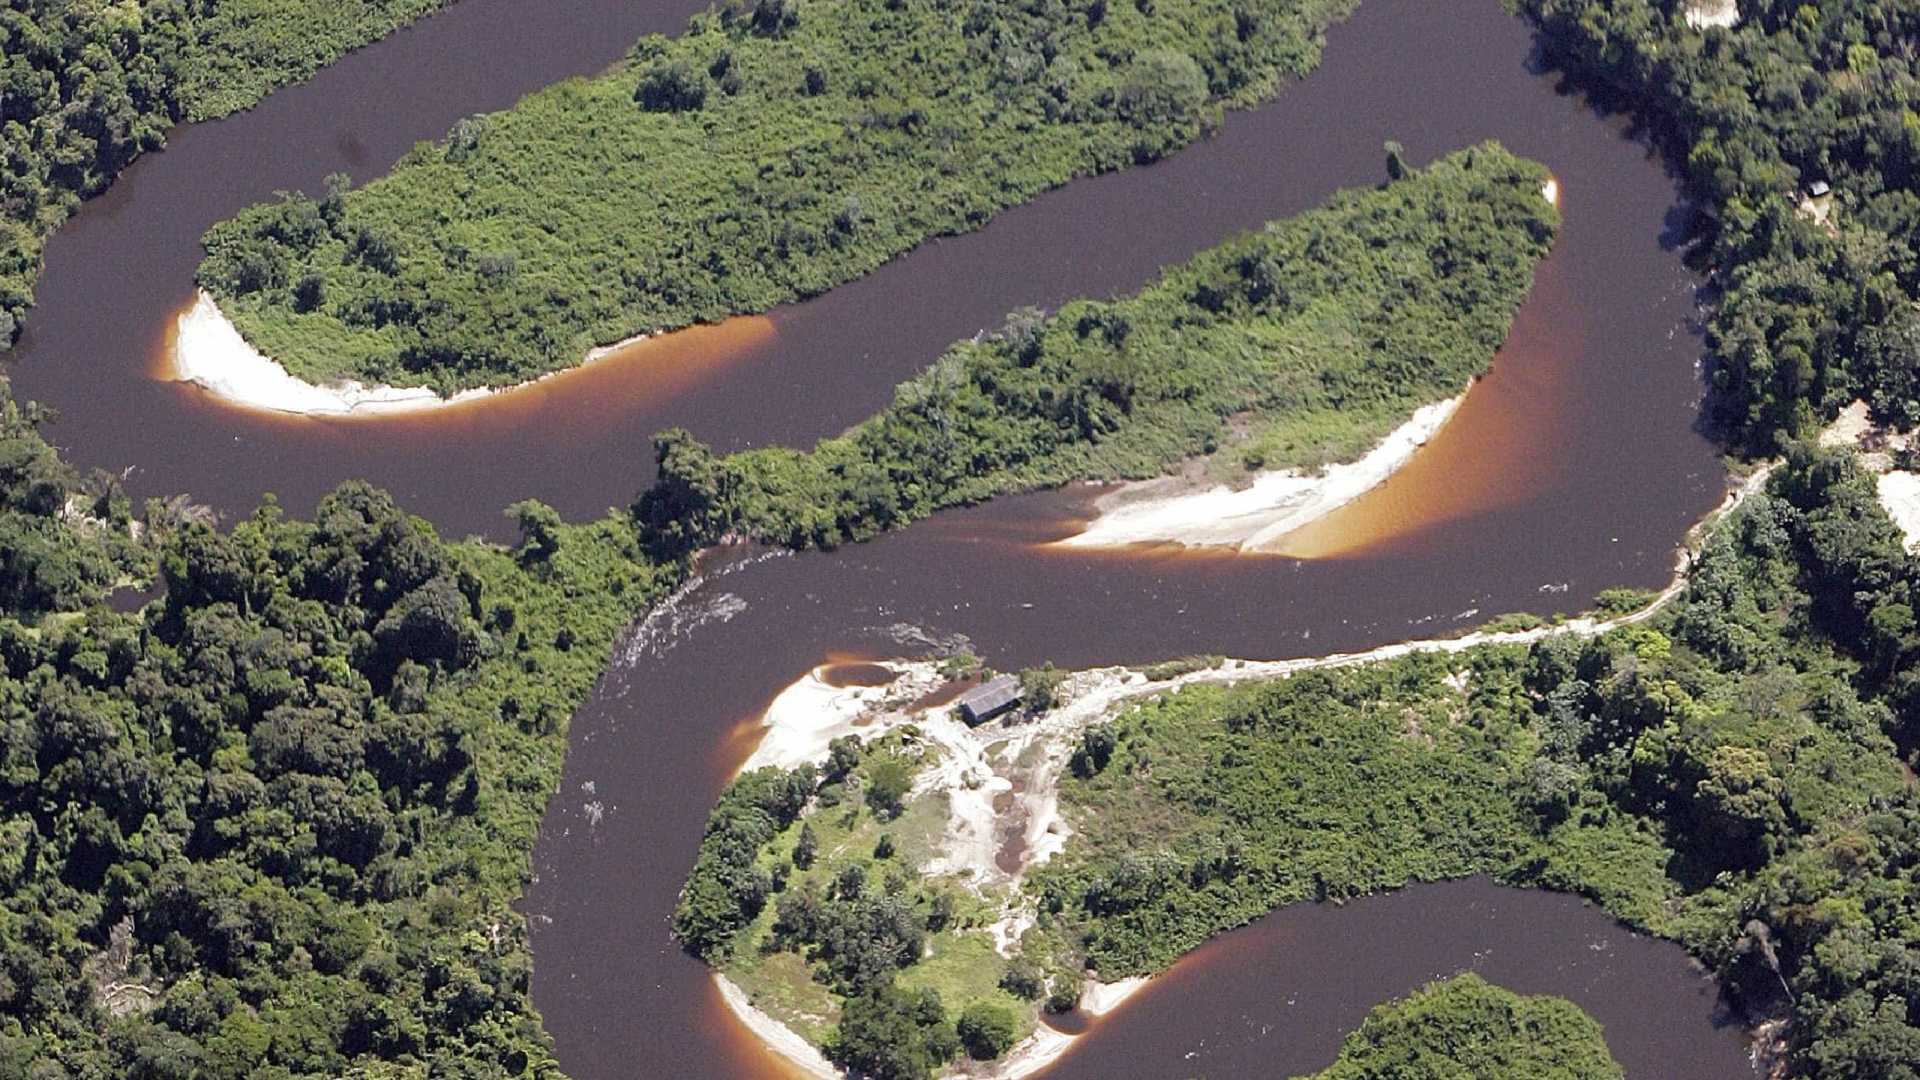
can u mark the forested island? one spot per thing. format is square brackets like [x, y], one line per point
[1465, 1028]
[274, 822]
[771, 152]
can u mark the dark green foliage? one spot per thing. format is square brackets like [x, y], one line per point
[85, 88]
[1330, 327]
[63, 540]
[986, 1030]
[1040, 687]
[726, 890]
[887, 780]
[893, 1034]
[671, 87]
[1811, 316]
[800, 153]
[1024, 980]
[805, 848]
[689, 505]
[1467, 1029]
[288, 808]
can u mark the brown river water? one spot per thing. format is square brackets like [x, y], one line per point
[1571, 468]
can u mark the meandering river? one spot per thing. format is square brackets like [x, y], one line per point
[1571, 468]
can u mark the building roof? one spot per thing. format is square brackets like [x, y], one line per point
[991, 697]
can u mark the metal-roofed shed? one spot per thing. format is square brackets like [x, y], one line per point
[989, 699]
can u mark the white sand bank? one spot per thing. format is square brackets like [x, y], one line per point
[1254, 517]
[1704, 13]
[1879, 448]
[1900, 494]
[1045, 1046]
[209, 352]
[811, 713]
[777, 1036]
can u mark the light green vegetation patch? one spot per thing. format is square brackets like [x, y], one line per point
[1210, 807]
[774, 150]
[1465, 1028]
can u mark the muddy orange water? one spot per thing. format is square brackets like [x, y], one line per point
[1576, 468]
[1491, 453]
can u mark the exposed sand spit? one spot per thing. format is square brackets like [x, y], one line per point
[1704, 13]
[1253, 518]
[1900, 494]
[812, 712]
[208, 351]
[777, 1036]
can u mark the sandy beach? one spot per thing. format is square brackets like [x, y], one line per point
[208, 351]
[1253, 518]
[1702, 14]
[1900, 494]
[811, 712]
[778, 1037]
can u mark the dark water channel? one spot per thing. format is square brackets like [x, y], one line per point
[1274, 999]
[1572, 468]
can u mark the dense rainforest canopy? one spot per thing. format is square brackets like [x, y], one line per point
[86, 86]
[771, 152]
[273, 824]
[1818, 297]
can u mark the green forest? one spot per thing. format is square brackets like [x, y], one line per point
[771, 152]
[1810, 316]
[86, 86]
[1465, 1028]
[274, 823]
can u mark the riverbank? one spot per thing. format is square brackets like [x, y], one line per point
[775, 1035]
[207, 350]
[1253, 518]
